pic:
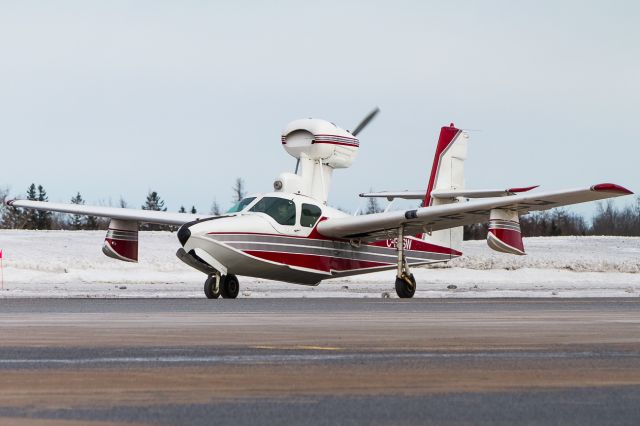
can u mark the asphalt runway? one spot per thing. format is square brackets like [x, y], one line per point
[319, 361]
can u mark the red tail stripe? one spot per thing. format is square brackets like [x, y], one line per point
[447, 135]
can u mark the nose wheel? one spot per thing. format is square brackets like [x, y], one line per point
[226, 286]
[212, 287]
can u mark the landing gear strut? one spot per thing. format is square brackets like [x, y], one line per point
[212, 286]
[405, 282]
[218, 285]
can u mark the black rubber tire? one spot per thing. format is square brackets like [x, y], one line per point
[229, 287]
[209, 288]
[403, 289]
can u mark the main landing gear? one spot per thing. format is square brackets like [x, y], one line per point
[405, 282]
[218, 285]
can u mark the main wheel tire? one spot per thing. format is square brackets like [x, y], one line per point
[404, 289]
[210, 288]
[229, 287]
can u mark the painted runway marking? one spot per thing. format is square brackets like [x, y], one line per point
[303, 347]
[278, 358]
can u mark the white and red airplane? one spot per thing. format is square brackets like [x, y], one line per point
[291, 234]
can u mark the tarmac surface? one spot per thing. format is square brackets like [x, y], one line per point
[319, 361]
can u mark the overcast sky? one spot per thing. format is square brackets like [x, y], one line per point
[116, 98]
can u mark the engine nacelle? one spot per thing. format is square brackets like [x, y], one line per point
[318, 139]
[121, 242]
[320, 147]
[504, 232]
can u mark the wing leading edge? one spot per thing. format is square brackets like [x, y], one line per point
[427, 219]
[137, 215]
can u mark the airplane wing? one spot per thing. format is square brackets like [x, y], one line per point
[379, 226]
[137, 215]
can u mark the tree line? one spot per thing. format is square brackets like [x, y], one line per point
[608, 219]
[18, 218]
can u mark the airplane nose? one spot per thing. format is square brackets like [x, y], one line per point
[184, 234]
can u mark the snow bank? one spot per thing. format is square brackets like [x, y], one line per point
[579, 254]
[71, 264]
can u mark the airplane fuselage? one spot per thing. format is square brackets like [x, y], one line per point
[259, 242]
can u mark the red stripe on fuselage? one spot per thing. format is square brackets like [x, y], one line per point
[311, 261]
[415, 244]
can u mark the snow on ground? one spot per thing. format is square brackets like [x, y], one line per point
[71, 264]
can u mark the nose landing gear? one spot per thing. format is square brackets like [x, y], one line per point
[218, 285]
[212, 287]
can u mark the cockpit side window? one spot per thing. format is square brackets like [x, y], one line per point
[281, 210]
[310, 215]
[240, 205]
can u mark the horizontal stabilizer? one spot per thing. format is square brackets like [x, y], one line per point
[466, 193]
[480, 193]
[390, 195]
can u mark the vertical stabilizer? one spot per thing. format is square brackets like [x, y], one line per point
[447, 173]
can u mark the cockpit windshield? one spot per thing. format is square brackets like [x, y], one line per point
[240, 205]
[281, 210]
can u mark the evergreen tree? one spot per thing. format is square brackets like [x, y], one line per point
[31, 193]
[193, 210]
[31, 215]
[77, 222]
[155, 203]
[43, 216]
[182, 210]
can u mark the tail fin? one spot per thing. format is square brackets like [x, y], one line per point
[447, 173]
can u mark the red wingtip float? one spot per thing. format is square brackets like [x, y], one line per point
[611, 187]
[291, 234]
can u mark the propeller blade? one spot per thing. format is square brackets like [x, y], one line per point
[365, 121]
